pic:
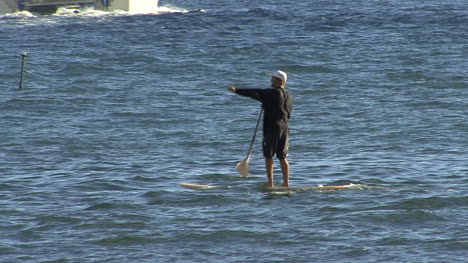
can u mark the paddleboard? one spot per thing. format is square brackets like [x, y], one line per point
[198, 186]
[310, 187]
[293, 188]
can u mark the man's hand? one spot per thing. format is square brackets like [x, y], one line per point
[232, 89]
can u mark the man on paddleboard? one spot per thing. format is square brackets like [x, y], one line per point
[277, 104]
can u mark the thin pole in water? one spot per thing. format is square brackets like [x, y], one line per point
[21, 84]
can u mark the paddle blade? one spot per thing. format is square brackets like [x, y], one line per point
[243, 167]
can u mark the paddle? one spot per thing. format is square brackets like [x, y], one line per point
[243, 166]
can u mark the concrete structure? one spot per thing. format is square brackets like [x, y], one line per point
[8, 6]
[133, 6]
[50, 6]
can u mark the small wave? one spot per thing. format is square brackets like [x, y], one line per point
[431, 203]
[80, 11]
[123, 240]
[312, 69]
[22, 14]
[171, 9]
[101, 206]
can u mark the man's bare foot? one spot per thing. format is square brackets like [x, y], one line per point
[285, 185]
[269, 185]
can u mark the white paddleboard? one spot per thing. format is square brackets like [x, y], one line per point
[310, 187]
[293, 188]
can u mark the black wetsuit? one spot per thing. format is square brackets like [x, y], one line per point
[277, 105]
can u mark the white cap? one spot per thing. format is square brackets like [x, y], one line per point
[281, 75]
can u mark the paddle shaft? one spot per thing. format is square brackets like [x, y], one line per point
[255, 133]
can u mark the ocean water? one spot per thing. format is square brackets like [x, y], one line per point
[118, 109]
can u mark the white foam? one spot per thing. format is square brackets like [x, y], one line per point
[171, 9]
[91, 11]
[79, 11]
[22, 14]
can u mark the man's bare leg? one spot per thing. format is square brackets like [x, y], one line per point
[285, 170]
[269, 165]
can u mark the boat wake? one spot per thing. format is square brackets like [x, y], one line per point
[92, 11]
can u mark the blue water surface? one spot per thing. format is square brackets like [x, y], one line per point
[118, 109]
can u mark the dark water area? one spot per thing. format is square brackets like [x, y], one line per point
[119, 109]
